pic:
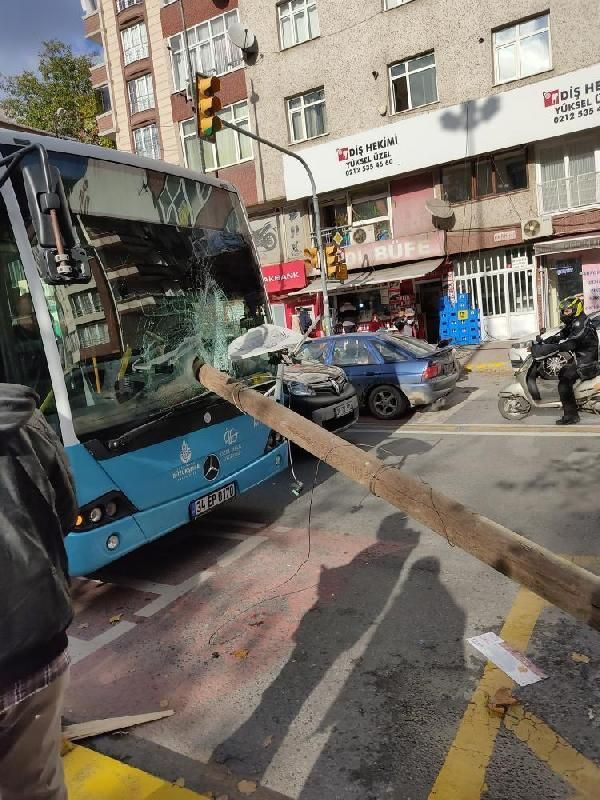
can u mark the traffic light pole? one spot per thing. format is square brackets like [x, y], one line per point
[316, 211]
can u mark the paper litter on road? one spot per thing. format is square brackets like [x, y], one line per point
[514, 664]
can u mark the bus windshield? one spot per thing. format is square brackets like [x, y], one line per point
[174, 278]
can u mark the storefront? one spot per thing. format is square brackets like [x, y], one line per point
[385, 292]
[569, 267]
[502, 284]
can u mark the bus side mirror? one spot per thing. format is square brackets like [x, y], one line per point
[63, 261]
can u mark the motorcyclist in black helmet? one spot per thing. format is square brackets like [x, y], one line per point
[579, 337]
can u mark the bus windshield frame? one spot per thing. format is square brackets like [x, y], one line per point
[174, 278]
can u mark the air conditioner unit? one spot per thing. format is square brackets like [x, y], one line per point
[537, 228]
[365, 234]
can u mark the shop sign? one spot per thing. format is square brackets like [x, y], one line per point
[519, 262]
[392, 251]
[505, 236]
[284, 277]
[559, 105]
[591, 287]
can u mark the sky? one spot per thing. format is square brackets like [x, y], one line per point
[27, 23]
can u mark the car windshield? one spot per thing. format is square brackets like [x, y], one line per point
[313, 352]
[173, 278]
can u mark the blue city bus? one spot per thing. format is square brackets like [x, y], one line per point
[173, 276]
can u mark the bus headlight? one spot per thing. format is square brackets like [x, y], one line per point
[105, 509]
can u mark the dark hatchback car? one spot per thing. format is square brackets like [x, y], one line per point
[322, 394]
[391, 374]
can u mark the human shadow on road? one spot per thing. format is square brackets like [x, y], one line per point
[350, 600]
[390, 727]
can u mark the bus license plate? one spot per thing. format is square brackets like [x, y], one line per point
[344, 408]
[210, 501]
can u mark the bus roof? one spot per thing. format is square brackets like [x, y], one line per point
[23, 136]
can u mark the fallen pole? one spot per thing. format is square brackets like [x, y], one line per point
[562, 583]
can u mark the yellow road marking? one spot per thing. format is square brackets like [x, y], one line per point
[553, 750]
[463, 773]
[92, 776]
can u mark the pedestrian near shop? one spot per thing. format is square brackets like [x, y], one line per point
[37, 509]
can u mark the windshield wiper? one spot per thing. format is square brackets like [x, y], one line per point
[134, 433]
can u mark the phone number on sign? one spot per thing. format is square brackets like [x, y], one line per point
[583, 112]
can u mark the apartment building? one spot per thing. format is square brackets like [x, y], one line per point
[455, 145]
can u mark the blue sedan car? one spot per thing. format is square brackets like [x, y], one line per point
[391, 374]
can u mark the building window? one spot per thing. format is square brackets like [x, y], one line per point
[135, 43]
[211, 50]
[482, 177]
[123, 4]
[298, 22]
[94, 334]
[389, 4]
[522, 49]
[146, 141]
[87, 302]
[413, 83]
[141, 94]
[306, 116]
[103, 103]
[568, 177]
[230, 148]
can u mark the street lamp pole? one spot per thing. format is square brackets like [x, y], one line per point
[315, 205]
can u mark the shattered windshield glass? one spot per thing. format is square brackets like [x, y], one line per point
[174, 279]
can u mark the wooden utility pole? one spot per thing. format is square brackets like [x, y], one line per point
[571, 588]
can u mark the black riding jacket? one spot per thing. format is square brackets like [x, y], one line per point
[579, 337]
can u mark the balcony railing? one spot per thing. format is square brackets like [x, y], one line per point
[566, 194]
[123, 4]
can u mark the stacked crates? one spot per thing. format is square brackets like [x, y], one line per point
[460, 322]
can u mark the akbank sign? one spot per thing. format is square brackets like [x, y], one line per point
[566, 104]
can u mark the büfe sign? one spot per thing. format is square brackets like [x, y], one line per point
[558, 105]
[284, 277]
[392, 251]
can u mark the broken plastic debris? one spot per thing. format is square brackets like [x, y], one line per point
[268, 741]
[179, 782]
[514, 664]
[502, 701]
[114, 619]
[579, 658]
[247, 787]
[240, 654]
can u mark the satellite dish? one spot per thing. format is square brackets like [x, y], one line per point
[439, 208]
[242, 37]
[263, 339]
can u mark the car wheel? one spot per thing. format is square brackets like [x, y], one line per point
[388, 402]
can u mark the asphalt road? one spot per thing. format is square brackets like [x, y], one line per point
[317, 645]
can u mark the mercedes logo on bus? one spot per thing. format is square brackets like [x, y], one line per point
[211, 468]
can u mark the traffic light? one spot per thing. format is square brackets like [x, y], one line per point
[208, 105]
[311, 259]
[336, 265]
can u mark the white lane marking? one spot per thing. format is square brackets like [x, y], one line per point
[448, 411]
[79, 648]
[422, 431]
[238, 523]
[307, 736]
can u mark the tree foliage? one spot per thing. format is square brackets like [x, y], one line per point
[58, 98]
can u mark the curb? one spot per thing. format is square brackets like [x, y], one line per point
[488, 365]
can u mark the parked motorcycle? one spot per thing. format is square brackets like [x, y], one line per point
[536, 385]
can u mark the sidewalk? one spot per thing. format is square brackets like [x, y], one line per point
[487, 356]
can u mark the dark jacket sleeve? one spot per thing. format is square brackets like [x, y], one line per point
[52, 456]
[574, 339]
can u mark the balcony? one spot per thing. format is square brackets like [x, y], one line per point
[106, 123]
[569, 194]
[124, 4]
